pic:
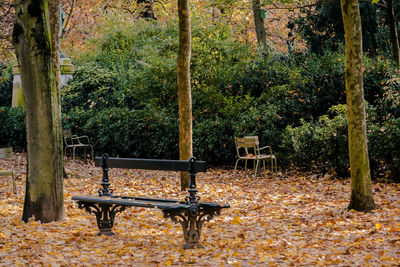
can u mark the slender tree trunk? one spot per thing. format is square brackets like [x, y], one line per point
[33, 45]
[394, 39]
[184, 89]
[361, 192]
[259, 24]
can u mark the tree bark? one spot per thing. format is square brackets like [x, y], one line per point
[361, 193]
[33, 44]
[259, 24]
[394, 40]
[56, 33]
[184, 89]
[146, 9]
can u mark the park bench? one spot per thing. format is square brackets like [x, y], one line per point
[190, 213]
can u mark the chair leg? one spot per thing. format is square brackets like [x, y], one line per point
[245, 164]
[256, 168]
[73, 153]
[236, 164]
[91, 153]
[14, 184]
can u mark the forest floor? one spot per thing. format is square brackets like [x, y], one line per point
[293, 218]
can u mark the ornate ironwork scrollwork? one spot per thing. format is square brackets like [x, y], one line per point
[105, 190]
[192, 220]
[105, 214]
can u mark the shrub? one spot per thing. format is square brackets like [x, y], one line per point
[6, 85]
[124, 96]
[92, 86]
[384, 144]
[148, 133]
[12, 130]
[323, 143]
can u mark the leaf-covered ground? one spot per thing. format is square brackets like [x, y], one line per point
[291, 219]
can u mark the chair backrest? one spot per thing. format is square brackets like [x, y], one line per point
[67, 137]
[247, 143]
[5, 152]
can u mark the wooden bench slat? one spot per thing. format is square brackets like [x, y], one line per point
[141, 202]
[145, 202]
[151, 164]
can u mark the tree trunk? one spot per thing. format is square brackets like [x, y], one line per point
[32, 41]
[361, 193]
[56, 33]
[259, 24]
[184, 89]
[394, 40]
[146, 9]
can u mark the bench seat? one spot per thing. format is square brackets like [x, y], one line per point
[163, 204]
[190, 213]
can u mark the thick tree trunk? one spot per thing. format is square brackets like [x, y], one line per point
[32, 41]
[184, 89]
[56, 33]
[394, 40]
[259, 24]
[361, 193]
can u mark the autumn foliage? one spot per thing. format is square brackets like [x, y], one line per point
[291, 218]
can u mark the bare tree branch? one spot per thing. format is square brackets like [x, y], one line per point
[64, 27]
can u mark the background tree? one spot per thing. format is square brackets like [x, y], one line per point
[6, 24]
[361, 192]
[146, 9]
[259, 23]
[321, 29]
[33, 45]
[391, 21]
[184, 88]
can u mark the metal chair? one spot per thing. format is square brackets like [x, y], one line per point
[73, 142]
[6, 152]
[248, 148]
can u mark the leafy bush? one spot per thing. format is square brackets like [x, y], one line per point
[124, 96]
[6, 85]
[121, 132]
[384, 144]
[12, 130]
[323, 143]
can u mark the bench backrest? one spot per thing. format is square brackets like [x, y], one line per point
[152, 164]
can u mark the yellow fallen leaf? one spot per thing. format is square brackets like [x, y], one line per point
[378, 226]
[236, 220]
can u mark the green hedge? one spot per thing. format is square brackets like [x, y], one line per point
[124, 97]
[6, 85]
[12, 130]
[324, 143]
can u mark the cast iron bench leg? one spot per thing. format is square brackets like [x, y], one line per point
[192, 223]
[105, 214]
